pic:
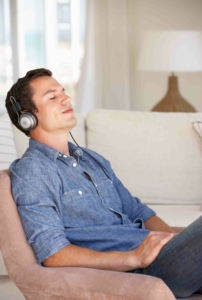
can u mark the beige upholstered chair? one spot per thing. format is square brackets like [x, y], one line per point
[39, 283]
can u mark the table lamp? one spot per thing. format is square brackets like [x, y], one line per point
[174, 51]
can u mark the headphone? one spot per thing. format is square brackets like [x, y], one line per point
[27, 120]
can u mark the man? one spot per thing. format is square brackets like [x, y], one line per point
[75, 211]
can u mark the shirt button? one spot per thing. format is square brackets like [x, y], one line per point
[65, 156]
[74, 165]
[80, 192]
[59, 154]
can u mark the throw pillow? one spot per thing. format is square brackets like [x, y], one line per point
[8, 151]
[197, 126]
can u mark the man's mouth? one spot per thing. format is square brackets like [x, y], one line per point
[67, 111]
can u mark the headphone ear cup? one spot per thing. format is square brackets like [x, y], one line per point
[27, 121]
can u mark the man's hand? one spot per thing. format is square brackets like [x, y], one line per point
[149, 249]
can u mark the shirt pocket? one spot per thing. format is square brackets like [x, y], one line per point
[109, 195]
[81, 207]
[76, 194]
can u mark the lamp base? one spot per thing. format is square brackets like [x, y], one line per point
[173, 101]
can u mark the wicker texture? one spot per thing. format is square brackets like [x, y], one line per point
[173, 101]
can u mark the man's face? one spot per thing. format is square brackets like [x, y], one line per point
[55, 112]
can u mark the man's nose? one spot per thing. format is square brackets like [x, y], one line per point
[66, 99]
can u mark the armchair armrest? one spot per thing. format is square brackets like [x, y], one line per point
[81, 283]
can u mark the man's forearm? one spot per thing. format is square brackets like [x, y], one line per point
[156, 224]
[141, 257]
[74, 256]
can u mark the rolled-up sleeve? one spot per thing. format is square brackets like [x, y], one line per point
[131, 206]
[36, 194]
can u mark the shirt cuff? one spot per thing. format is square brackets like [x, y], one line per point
[48, 244]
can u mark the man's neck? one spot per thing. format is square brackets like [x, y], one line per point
[58, 141]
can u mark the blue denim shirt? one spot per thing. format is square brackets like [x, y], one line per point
[73, 199]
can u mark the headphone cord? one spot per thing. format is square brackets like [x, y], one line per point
[90, 156]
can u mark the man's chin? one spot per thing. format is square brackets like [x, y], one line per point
[73, 122]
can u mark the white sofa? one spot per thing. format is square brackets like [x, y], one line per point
[158, 156]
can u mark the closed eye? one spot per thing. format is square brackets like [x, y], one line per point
[53, 97]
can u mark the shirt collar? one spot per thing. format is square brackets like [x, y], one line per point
[52, 153]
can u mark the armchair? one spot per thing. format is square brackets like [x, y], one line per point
[40, 283]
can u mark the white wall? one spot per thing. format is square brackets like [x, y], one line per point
[150, 87]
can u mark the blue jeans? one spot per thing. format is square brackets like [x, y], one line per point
[179, 263]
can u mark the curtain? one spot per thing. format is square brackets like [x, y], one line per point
[105, 76]
[5, 53]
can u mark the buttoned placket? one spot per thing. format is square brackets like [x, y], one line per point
[69, 160]
[91, 176]
[94, 184]
[99, 194]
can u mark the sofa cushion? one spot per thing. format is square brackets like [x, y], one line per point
[177, 215]
[158, 156]
[7, 145]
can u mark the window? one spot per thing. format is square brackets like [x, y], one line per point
[41, 33]
[5, 52]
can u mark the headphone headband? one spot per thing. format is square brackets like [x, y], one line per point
[15, 105]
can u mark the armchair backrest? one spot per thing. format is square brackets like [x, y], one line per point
[13, 242]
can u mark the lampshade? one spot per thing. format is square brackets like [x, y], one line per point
[179, 51]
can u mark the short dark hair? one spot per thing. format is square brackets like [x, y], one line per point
[23, 93]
